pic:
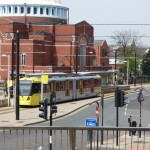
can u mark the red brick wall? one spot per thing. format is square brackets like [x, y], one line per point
[47, 52]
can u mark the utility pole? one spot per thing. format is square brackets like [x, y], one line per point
[53, 109]
[102, 105]
[17, 77]
[12, 60]
[135, 70]
[76, 59]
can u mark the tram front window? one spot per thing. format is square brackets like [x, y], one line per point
[25, 88]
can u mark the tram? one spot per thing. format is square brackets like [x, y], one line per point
[63, 88]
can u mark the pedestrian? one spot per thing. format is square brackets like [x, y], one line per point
[40, 148]
[76, 148]
[5, 87]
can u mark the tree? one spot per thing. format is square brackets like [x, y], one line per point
[128, 42]
[146, 64]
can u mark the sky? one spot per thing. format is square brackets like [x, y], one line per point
[112, 12]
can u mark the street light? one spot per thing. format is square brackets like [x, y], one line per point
[76, 59]
[116, 49]
[90, 60]
[8, 80]
[135, 69]
[127, 70]
[117, 110]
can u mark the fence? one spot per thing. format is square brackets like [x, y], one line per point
[67, 138]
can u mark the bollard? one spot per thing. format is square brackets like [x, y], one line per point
[130, 124]
[76, 148]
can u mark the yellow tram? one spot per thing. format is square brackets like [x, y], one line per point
[65, 88]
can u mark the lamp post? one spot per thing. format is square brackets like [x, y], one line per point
[8, 80]
[115, 49]
[127, 70]
[117, 109]
[90, 60]
[135, 69]
[76, 59]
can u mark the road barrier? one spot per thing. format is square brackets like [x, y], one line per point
[67, 138]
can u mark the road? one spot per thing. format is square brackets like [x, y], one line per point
[78, 119]
[109, 118]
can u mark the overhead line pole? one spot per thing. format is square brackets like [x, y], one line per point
[17, 77]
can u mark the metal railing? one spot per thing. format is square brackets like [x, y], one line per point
[67, 138]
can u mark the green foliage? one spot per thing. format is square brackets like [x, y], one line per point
[130, 56]
[146, 64]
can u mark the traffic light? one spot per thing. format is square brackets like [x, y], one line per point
[53, 108]
[122, 98]
[43, 108]
[117, 97]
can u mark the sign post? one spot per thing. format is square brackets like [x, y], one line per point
[44, 80]
[90, 122]
[140, 99]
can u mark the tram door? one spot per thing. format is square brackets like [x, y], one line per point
[53, 88]
[74, 89]
[81, 86]
[92, 85]
[67, 88]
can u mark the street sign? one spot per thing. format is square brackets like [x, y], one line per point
[141, 98]
[90, 122]
[44, 79]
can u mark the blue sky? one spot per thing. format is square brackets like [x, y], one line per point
[111, 12]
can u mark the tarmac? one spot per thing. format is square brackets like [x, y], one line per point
[31, 115]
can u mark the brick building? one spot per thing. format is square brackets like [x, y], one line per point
[47, 42]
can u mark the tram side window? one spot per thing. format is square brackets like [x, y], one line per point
[46, 88]
[60, 86]
[97, 82]
[70, 85]
[53, 86]
[49, 86]
[85, 85]
[36, 88]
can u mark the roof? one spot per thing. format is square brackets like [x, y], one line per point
[98, 42]
[42, 2]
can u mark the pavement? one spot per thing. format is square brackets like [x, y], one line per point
[30, 115]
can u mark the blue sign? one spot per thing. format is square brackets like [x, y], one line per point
[90, 122]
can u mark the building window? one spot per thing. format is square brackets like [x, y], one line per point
[58, 11]
[53, 11]
[23, 59]
[22, 10]
[41, 10]
[9, 9]
[16, 10]
[28, 10]
[104, 53]
[3, 10]
[35, 10]
[47, 11]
